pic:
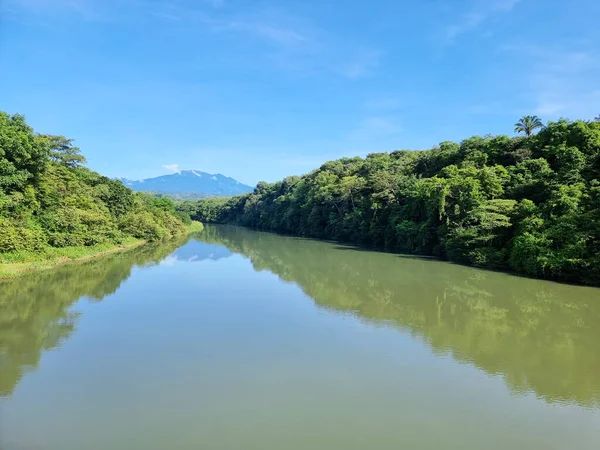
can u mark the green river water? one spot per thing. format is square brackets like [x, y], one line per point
[236, 339]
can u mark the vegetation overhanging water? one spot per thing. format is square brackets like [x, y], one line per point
[529, 204]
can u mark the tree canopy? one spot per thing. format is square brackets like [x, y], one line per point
[528, 124]
[530, 204]
[48, 198]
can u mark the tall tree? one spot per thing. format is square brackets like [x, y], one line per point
[64, 152]
[23, 155]
[527, 125]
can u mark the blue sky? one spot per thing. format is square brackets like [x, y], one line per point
[259, 90]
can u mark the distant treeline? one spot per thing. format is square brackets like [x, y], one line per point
[529, 203]
[49, 199]
[180, 196]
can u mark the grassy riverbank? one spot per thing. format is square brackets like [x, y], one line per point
[18, 263]
[14, 264]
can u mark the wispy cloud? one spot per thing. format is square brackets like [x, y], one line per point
[283, 40]
[292, 43]
[215, 3]
[485, 109]
[172, 167]
[41, 4]
[381, 125]
[387, 103]
[364, 64]
[277, 34]
[560, 81]
[375, 127]
[481, 11]
[85, 9]
[273, 27]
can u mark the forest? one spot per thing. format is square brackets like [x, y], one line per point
[529, 203]
[49, 200]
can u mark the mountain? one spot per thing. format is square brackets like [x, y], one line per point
[190, 184]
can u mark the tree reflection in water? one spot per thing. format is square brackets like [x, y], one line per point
[538, 335]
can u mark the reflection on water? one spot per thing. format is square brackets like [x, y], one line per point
[34, 309]
[539, 336]
[200, 251]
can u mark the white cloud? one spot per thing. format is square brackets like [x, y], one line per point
[388, 103]
[39, 4]
[364, 64]
[85, 9]
[216, 3]
[172, 167]
[294, 44]
[374, 127]
[279, 29]
[559, 81]
[490, 108]
[380, 124]
[481, 11]
[277, 34]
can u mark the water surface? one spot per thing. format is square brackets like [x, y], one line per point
[240, 339]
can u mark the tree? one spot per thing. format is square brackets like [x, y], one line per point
[23, 155]
[527, 124]
[47, 199]
[64, 152]
[532, 205]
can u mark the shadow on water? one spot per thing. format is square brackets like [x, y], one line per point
[540, 336]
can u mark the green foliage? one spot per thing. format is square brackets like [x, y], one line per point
[528, 124]
[184, 217]
[23, 155]
[64, 152]
[48, 199]
[531, 204]
[207, 210]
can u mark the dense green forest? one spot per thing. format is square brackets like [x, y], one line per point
[48, 199]
[529, 203]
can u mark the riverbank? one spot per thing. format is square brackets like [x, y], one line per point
[18, 263]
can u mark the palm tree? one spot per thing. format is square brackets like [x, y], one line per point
[527, 124]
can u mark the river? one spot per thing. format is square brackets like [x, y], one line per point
[237, 339]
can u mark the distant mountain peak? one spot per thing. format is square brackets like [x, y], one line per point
[190, 182]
